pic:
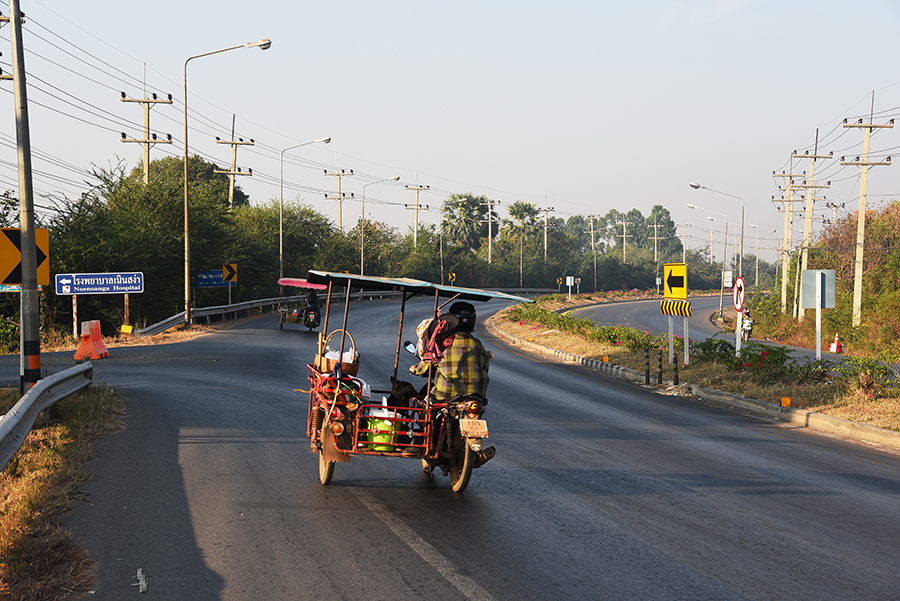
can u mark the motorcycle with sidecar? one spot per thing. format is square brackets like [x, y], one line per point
[344, 420]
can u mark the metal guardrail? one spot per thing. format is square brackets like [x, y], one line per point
[15, 425]
[178, 319]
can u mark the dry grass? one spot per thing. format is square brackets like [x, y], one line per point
[64, 342]
[176, 334]
[39, 560]
[831, 397]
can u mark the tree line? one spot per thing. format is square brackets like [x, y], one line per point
[124, 225]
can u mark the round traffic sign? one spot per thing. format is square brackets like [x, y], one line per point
[737, 294]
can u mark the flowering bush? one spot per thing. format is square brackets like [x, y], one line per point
[761, 360]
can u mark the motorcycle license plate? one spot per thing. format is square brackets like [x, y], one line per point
[473, 428]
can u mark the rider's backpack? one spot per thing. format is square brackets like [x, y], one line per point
[435, 335]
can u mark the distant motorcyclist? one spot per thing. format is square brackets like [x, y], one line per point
[312, 306]
[746, 324]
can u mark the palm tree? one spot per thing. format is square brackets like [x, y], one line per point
[526, 214]
[464, 218]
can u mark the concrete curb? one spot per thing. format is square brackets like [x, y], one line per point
[820, 422]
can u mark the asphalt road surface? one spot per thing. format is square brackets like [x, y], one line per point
[600, 490]
[645, 314]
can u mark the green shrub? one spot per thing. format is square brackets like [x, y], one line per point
[9, 337]
[868, 375]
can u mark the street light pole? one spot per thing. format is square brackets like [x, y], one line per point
[263, 45]
[281, 203]
[724, 256]
[724, 252]
[697, 186]
[362, 223]
[756, 282]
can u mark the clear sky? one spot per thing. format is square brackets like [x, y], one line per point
[581, 106]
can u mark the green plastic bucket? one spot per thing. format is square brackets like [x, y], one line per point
[382, 437]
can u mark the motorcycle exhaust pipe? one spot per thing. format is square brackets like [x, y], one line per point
[484, 456]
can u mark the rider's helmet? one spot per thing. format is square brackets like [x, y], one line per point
[465, 312]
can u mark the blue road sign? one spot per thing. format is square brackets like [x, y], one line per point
[100, 283]
[212, 279]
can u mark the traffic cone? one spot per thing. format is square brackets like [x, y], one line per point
[836, 345]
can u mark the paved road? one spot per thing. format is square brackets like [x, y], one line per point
[600, 490]
[646, 315]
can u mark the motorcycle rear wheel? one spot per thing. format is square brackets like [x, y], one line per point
[326, 468]
[462, 463]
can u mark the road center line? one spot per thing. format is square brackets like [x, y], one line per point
[423, 549]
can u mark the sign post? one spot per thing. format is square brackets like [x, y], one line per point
[817, 290]
[737, 295]
[675, 293]
[229, 275]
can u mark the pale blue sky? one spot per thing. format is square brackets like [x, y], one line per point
[583, 106]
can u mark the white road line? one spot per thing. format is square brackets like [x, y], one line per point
[445, 568]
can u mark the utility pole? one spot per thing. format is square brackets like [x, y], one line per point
[149, 139]
[490, 220]
[340, 197]
[756, 281]
[810, 203]
[684, 243]
[861, 217]
[834, 207]
[545, 211]
[29, 330]
[594, 249]
[655, 227]
[788, 226]
[231, 174]
[624, 236]
[416, 209]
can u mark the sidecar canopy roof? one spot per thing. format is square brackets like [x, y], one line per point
[409, 285]
[300, 283]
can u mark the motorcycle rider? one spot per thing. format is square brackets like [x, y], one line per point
[312, 305]
[746, 324]
[464, 369]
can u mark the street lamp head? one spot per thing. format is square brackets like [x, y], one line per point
[396, 178]
[711, 218]
[324, 140]
[695, 185]
[261, 44]
[690, 206]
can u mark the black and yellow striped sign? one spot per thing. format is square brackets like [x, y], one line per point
[229, 272]
[675, 307]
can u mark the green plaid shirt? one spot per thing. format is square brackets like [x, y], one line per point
[463, 371]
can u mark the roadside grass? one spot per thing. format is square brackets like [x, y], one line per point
[38, 559]
[59, 341]
[860, 390]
